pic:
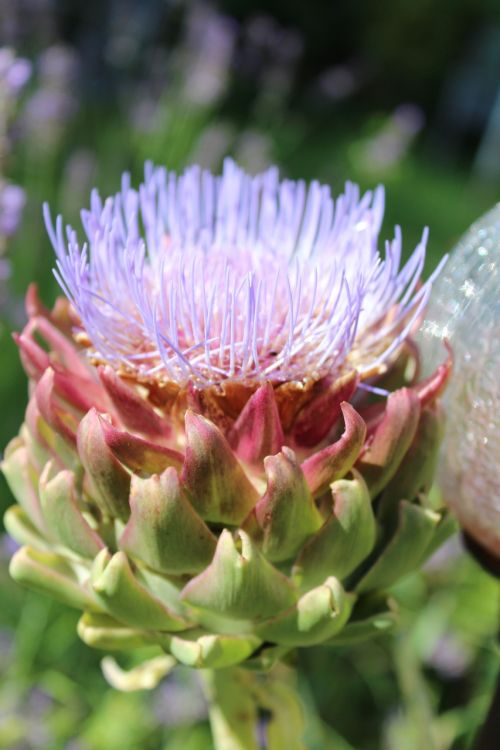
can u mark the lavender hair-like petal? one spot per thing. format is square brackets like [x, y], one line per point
[202, 277]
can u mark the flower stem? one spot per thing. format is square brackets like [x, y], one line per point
[233, 713]
[253, 711]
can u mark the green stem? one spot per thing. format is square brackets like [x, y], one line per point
[415, 693]
[253, 711]
[233, 713]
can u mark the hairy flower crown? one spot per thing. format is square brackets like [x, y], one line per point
[197, 278]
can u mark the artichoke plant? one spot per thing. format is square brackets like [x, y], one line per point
[227, 451]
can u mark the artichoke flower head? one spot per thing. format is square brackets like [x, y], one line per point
[227, 451]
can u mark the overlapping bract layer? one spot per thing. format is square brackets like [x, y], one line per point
[222, 540]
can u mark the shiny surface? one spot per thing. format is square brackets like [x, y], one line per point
[465, 309]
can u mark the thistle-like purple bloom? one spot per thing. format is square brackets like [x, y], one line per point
[220, 487]
[203, 278]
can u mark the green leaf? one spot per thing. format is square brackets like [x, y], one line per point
[266, 657]
[336, 460]
[405, 551]
[110, 481]
[58, 496]
[391, 439]
[286, 515]
[22, 480]
[219, 488]
[372, 616]
[164, 530]
[51, 574]
[233, 709]
[120, 593]
[317, 616]
[241, 585]
[104, 632]
[205, 650]
[145, 676]
[416, 471]
[345, 539]
[22, 530]
[286, 723]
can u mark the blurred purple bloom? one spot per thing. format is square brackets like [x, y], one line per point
[8, 546]
[280, 43]
[143, 114]
[58, 66]
[53, 104]
[14, 72]
[207, 54]
[253, 151]
[38, 703]
[338, 82]
[239, 277]
[12, 200]
[389, 145]
[77, 178]
[5, 271]
[76, 744]
[409, 118]
[180, 700]
[47, 112]
[450, 656]
[213, 144]
[446, 557]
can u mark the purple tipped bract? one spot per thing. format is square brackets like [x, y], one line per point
[205, 278]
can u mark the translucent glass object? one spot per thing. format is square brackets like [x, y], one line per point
[465, 309]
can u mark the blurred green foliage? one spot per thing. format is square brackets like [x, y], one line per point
[429, 687]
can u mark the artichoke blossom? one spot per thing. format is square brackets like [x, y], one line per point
[227, 450]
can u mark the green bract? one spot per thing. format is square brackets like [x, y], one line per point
[223, 536]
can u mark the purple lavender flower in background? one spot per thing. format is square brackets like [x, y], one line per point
[179, 700]
[214, 143]
[389, 145]
[14, 73]
[337, 83]
[253, 150]
[270, 55]
[206, 55]
[12, 200]
[58, 66]
[185, 81]
[53, 104]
